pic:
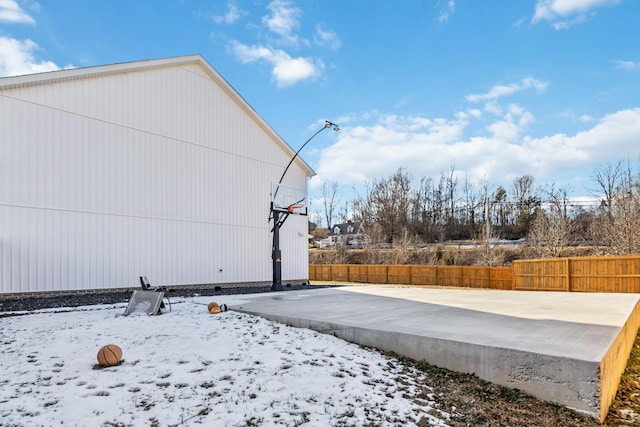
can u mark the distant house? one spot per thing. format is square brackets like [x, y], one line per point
[349, 234]
[156, 168]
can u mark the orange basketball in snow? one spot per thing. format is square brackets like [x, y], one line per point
[110, 355]
[215, 310]
[212, 305]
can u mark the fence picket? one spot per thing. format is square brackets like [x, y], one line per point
[579, 274]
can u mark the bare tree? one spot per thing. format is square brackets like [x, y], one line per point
[439, 201]
[619, 229]
[582, 220]
[423, 210]
[617, 225]
[343, 213]
[607, 179]
[526, 201]
[330, 201]
[451, 183]
[363, 209]
[390, 211]
[488, 254]
[471, 199]
[391, 198]
[386, 204]
[549, 233]
[558, 198]
[501, 207]
[631, 179]
[486, 208]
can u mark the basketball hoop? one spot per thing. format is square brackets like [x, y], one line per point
[294, 206]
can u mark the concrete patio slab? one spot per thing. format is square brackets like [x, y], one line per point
[567, 348]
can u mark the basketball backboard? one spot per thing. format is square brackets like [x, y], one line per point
[289, 199]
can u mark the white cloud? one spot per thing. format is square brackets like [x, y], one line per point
[575, 117]
[11, 12]
[286, 70]
[283, 20]
[499, 91]
[429, 146]
[363, 152]
[16, 58]
[565, 13]
[326, 38]
[563, 25]
[492, 107]
[447, 11]
[232, 14]
[628, 65]
[475, 113]
[519, 22]
[569, 7]
[353, 117]
[511, 125]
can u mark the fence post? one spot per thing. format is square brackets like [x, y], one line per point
[568, 267]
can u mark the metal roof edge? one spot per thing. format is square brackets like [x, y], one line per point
[97, 70]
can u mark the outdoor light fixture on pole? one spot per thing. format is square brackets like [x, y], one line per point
[280, 216]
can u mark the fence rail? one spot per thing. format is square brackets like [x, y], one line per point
[425, 275]
[583, 274]
[580, 274]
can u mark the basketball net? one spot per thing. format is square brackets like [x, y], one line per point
[294, 206]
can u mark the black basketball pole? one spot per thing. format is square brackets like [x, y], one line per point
[279, 217]
[276, 255]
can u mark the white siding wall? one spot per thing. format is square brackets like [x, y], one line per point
[155, 172]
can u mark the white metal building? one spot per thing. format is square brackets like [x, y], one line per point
[156, 168]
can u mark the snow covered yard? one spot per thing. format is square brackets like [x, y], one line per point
[188, 367]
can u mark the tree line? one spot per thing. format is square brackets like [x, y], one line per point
[396, 210]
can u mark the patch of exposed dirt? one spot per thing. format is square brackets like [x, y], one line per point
[475, 402]
[625, 409]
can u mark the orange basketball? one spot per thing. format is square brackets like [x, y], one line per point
[215, 310]
[110, 355]
[212, 305]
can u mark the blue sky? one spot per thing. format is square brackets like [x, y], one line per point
[497, 89]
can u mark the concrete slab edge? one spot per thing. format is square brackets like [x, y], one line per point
[569, 382]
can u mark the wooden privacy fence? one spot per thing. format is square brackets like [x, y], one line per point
[426, 275]
[582, 274]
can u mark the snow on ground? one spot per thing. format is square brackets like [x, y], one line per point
[188, 367]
